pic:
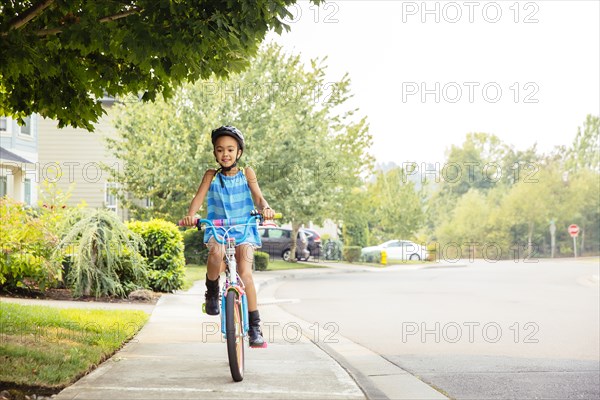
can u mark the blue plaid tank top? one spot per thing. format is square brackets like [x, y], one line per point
[232, 200]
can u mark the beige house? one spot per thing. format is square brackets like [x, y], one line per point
[73, 158]
[18, 158]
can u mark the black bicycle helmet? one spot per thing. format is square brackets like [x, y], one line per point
[228, 130]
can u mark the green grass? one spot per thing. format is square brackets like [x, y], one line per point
[52, 347]
[193, 272]
[278, 265]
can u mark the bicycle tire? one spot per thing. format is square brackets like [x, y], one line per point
[234, 332]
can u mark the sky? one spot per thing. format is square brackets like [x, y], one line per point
[427, 73]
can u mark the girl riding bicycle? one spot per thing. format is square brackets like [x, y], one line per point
[232, 193]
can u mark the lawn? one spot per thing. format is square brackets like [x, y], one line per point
[194, 272]
[278, 265]
[49, 348]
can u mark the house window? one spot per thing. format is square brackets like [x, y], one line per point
[27, 191]
[26, 129]
[110, 197]
[148, 203]
[3, 124]
[3, 186]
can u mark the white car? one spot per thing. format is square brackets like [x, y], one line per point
[400, 250]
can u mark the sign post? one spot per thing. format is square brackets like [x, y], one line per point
[574, 231]
[552, 237]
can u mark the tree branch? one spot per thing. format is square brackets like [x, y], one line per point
[110, 18]
[30, 14]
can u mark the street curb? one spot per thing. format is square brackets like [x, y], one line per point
[375, 385]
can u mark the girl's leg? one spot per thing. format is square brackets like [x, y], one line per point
[213, 270]
[215, 266]
[244, 254]
[245, 257]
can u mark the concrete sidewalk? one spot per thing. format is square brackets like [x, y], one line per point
[180, 354]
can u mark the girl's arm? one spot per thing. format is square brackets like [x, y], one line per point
[257, 196]
[199, 197]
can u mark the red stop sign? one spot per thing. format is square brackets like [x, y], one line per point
[573, 230]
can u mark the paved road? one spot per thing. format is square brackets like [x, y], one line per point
[493, 331]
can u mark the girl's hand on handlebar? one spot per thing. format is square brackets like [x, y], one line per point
[188, 221]
[268, 213]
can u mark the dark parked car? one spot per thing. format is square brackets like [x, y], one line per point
[277, 242]
[314, 242]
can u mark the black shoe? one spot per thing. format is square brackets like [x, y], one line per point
[211, 297]
[254, 333]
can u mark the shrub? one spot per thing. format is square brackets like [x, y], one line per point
[432, 251]
[332, 249]
[27, 245]
[195, 252]
[373, 256]
[351, 253]
[261, 260]
[102, 255]
[163, 253]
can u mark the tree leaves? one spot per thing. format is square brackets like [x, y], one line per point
[108, 47]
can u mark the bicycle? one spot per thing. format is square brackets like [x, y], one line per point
[234, 303]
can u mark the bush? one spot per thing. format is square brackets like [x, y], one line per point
[432, 251]
[101, 255]
[261, 261]
[27, 244]
[163, 253]
[351, 253]
[332, 249]
[373, 256]
[195, 252]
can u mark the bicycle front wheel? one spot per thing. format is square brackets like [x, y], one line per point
[234, 332]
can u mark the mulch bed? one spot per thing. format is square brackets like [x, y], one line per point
[67, 294]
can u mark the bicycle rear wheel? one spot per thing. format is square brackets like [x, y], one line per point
[234, 332]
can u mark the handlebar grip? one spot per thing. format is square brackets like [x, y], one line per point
[180, 223]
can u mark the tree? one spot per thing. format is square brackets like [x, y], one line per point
[60, 57]
[307, 151]
[585, 150]
[468, 225]
[396, 207]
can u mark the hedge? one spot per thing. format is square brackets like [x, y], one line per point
[164, 253]
[351, 253]
[261, 261]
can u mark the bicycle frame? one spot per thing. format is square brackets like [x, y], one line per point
[232, 278]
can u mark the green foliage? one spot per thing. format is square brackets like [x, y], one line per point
[163, 253]
[104, 254]
[395, 207]
[59, 59]
[277, 103]
[261, 261]
[27, 246]
[351, 253]
[585, 151]
[373, 256]
[332, 248]
[195, 251]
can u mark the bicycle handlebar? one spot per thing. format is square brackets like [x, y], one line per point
[255, 215]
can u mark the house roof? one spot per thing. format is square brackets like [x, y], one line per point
[6, 155]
